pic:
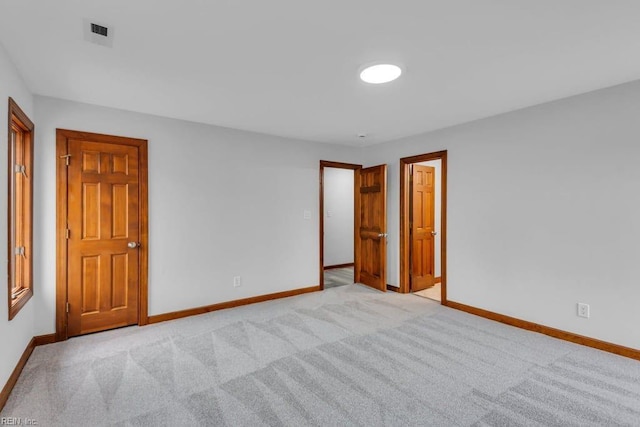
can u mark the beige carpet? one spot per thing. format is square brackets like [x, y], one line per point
[433, 292]
[347, 356]
[338, 277]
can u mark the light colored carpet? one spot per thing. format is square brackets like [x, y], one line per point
[345, 356]
[338, 277]
[434, 292]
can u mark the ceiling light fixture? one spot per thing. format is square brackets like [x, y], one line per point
[380, 73]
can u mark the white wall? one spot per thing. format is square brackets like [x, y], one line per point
[222, 203]
[16, 333]
[542, 209]
[543, 212]
[338, 216]
[437, 207]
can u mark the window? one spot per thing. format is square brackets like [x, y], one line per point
[20, 203]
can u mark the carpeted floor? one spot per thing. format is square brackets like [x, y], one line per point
[345, 356]
[338, 277]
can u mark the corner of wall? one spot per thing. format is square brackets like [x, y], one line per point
[17, 333]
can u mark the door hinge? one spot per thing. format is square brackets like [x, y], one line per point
[67, 159]
[68, 307]
[19, 250]
[67, 233]
[20, 169]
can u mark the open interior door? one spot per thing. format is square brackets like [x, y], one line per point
[422, 227]
[371, 227]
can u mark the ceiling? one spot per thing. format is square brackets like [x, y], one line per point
[290, 67]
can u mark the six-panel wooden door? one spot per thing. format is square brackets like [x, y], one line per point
[422, 227]
[371, 241]
[104, 235]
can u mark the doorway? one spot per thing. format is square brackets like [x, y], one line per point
[337, 223]
[102, 232]
[338, 219]
[369, 223]
[423, 225]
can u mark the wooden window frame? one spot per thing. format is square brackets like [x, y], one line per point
[18, 121]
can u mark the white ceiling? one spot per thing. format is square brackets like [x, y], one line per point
[290, 67]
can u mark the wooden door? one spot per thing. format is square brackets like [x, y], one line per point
[422, 227]
[104, 234]
[371, 241]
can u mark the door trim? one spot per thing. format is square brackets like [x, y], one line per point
[356, 218]
[405, 188]
[62, 136]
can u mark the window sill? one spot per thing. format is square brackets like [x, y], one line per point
[16, 305]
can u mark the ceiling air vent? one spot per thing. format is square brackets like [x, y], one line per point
[99, 29]
[98, 33]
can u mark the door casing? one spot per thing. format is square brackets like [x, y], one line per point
[62, 137]
[405, 235]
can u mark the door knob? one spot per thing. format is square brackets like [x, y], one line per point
[382, 234]
[133, 245]
[433, 233]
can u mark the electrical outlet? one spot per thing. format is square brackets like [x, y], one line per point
[237, 281]
[583, 310]
[306, 214]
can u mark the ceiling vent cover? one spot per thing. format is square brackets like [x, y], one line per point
[98, 32]
[99, 29]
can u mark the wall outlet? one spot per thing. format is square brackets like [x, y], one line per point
[306, 214]
[583, 310]
[237, 281]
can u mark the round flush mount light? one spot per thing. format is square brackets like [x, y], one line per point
[380, 73]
